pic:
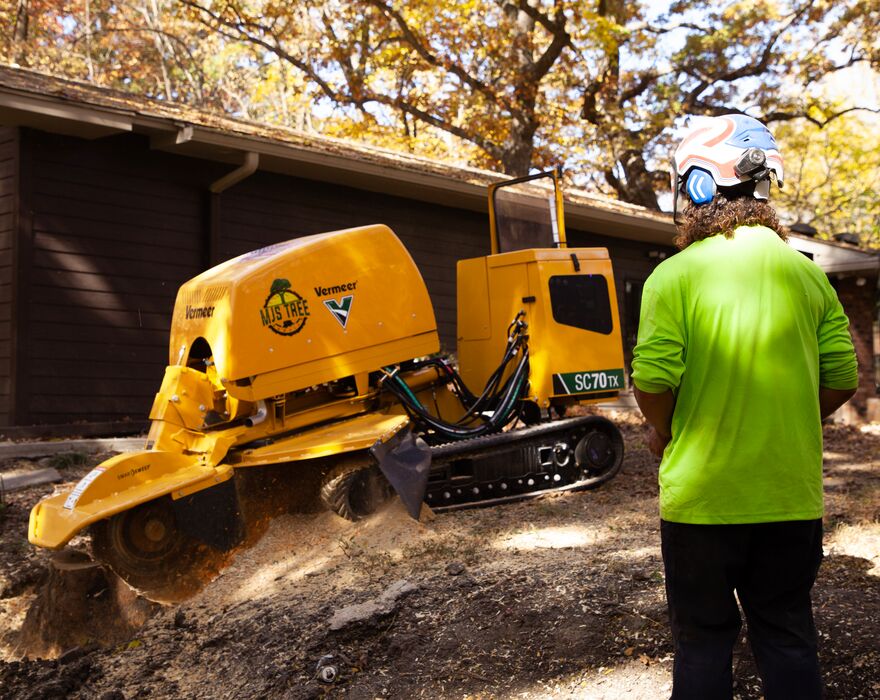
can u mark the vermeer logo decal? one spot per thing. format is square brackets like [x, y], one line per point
[340, 309]
[336, 289]
[199, 312]
[285, 312]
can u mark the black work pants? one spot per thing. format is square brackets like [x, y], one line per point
[772, 567]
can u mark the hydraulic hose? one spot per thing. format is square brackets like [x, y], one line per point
[502, 401]
[474, 404]
[502, 415]
[499, 419]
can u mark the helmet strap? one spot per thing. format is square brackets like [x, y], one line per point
[676, 184]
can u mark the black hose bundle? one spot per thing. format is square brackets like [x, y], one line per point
[501, 401]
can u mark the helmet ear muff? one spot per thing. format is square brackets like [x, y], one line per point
[700, 186]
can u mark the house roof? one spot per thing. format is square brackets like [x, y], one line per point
[37, 100]
[59, 105]
[835, 257]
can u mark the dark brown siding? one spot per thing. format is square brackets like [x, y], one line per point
[266, 209]
[8, 221]
[116, 228]
[633, 262]
[112, 228]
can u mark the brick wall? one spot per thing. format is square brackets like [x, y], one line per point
[860, 304]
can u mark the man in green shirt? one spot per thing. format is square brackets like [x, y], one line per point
[743, 348]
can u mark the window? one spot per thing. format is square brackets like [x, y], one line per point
[524, 223]
[581, 301]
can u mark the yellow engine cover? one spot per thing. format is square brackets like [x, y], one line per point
[307, 311]
[575, 348]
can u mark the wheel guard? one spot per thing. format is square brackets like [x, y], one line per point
[405, 460]
[212, 516]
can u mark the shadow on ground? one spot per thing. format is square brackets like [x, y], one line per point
[560, 596]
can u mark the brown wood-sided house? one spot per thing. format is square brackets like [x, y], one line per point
[109, 201]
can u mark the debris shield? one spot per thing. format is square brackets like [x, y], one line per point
[405, 460]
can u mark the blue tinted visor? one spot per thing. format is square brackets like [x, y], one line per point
[750, 133]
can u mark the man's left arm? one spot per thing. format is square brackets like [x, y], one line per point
[658, 364]
[657, 410]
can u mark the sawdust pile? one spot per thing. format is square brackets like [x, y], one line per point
[558, 596]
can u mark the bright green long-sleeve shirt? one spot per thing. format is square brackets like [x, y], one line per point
[744, 331]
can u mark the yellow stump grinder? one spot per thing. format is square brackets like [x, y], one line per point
[321, 353]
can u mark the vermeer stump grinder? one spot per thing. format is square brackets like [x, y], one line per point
[318, 357]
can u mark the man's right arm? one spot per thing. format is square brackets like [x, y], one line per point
[657, 410]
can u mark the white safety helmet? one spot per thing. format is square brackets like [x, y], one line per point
[725, 152]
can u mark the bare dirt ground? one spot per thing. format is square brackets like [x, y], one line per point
[561, 596]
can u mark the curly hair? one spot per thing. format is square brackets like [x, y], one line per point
[722, 216]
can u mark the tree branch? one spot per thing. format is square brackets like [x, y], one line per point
[335, 94]
[780, 116]
[275, 47]
[748, 70]
[556, 28]
[415, 42]
[489, 147]
[638, 88]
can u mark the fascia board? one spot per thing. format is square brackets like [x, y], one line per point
[426, 186]
[61, 117]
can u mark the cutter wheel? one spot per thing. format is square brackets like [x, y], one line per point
[354, 489]
[568, 455]
[145, 547]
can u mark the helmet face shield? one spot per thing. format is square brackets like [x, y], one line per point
[728, 151]
[750, 133]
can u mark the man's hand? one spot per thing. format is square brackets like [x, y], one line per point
[657, 409]
[657, 442]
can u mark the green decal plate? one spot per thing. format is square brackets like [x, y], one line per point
[588, 382]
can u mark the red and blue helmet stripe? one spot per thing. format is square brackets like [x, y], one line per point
[706, 158]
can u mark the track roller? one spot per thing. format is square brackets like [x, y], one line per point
[599, 454]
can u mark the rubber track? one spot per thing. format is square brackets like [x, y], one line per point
[476, 447]
[481, 447]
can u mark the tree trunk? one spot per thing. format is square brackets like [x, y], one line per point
[520, 143]
[517, 159]
[22, 19]
[637, 184]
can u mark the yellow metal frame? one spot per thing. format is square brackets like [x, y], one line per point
[500, 286]
[556, 176]
[127, 480]
[116, 485]
[285, 323]
[354, 434]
